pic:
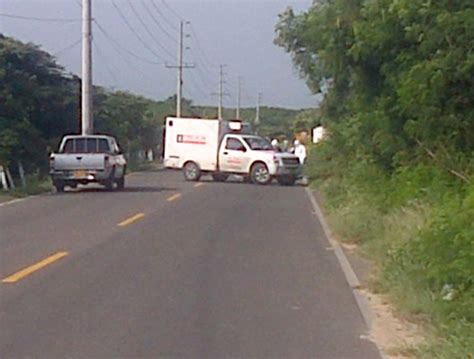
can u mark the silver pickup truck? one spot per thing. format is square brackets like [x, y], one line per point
[88, 159]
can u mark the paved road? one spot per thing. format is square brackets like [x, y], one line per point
[208, 270]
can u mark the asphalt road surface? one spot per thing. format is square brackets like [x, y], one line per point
[173, 269]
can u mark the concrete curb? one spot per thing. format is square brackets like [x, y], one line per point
[349, 273]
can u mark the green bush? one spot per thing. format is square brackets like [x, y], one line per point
[417, 225]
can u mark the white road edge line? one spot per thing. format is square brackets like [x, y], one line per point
[27, 198]
[13, 201]
[349, 273]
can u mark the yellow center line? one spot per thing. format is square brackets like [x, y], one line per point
[131, 219]
[173, 197]
[200, 184]
[35, 267]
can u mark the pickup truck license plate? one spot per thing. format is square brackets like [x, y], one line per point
[80, 174]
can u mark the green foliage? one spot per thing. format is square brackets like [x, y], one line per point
[33, 94]
[40, 104]
[396, 170]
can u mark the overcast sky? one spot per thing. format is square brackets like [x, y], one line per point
[236, 33]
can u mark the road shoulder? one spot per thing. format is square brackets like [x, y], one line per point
[392, 335]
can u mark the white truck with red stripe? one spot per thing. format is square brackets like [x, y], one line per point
[224, 147]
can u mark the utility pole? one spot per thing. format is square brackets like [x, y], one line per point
[239, 89]
[87, 125]
[257, 111]
[220, 93]
[180, 67]
[221, 89]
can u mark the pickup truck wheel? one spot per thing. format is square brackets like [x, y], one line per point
[259, 174]
[219, 177]
[191, 171]
[59, 187]
[286, 180]
[121, 182]
[109, 182]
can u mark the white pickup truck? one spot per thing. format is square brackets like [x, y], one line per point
[87, 159]
[222, 148]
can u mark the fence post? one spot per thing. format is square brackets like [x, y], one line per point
[21, 171]
[3, 179]
[10, 178]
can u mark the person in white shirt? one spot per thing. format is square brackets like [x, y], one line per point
[300, 151]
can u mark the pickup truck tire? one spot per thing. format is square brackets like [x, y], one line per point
[121, 183]
[259, 174]
[59, 186]
[191, 171]
[219, 177]
[109, 185]
[109, 182]
[286, 180]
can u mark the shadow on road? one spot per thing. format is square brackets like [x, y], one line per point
[131, 189]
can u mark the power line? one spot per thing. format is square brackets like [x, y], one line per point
[157, 23]
[99, 52]
[172, 10]
[170, 23]
[119, 50]
[134, 10]
[208, 73]
[117, 45]
[203, 77]
[206, 59]
[69, 47]
[44, 19]
[134, 32]
[203, 92]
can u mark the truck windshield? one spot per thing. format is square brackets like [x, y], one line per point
[258, 144]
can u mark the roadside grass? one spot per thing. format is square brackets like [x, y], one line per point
[5, 197]
[417, 227]
[146, 166]
[34, 185]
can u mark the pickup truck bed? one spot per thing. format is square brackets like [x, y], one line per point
[87, 159]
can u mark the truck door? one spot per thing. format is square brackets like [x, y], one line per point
[233, 156]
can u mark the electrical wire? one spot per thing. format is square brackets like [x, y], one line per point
[203, 54]
[69, 47]
[172, 10]
[99, 52]
[196, 86]
[149, 32]
[44, 19]
[165, 18]
[118, 45]
[130, 27]
[157, 23]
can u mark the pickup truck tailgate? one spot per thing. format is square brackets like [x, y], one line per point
[79, 161]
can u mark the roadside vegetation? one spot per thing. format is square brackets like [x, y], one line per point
[396, 169]
[40, 102]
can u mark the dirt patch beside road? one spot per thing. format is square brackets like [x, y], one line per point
[395, 336]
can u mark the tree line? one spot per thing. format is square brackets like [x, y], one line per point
[397, 77]
[40, 102]
[397, 167]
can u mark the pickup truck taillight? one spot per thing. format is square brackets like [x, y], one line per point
[51, 161]
[106, 161]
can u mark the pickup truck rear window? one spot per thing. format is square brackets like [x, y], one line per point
[86, 145]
